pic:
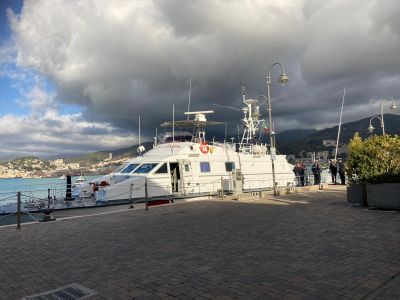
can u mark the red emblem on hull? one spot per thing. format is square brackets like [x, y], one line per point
[204, 148]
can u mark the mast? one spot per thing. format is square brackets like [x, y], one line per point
[190, 91]
[340, 124]
[139, 133]
[226, 129]
[251, 119]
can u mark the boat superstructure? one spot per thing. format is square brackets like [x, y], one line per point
[185, 163]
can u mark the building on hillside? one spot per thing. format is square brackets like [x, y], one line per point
[329, 143]
[322, 156]
[59, 164]
[73, 166]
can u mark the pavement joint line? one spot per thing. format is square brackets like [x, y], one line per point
[14, 225]
[195, 199]
[291, 201]
[374, 293]
[108, 212]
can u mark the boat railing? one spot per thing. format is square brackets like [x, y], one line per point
[261, 149]
[228, 146]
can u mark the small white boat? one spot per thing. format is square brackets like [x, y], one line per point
[62, 177]
[79, 181]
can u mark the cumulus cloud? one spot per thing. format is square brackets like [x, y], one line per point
[121, 59]
[52, 134]
[45, 132]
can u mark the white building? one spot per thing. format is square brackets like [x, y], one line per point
[329, 143]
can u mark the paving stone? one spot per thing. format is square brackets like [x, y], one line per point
[315, 246]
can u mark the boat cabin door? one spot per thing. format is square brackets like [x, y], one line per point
[187, 178]
[175, 176]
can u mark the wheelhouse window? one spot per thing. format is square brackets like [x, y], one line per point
[118, 169]
[204, 166]
[129, 168]
[163, 169]
[229, 166]
[145, 168]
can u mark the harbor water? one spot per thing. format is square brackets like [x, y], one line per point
[34, 188]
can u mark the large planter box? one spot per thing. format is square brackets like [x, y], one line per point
[357, 194]
[384, 195]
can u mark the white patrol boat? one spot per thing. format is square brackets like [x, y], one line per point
[184, 163]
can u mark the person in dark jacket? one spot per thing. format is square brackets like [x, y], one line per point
[302, 173]
[296, 171]
[316, 170]
[342, 170]
[333, 169]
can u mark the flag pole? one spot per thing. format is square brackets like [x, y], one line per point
[340, 125]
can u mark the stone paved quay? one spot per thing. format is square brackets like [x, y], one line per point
[299, 246]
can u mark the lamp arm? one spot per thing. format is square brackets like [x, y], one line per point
[276, 64]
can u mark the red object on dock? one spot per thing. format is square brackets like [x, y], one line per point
[158, 202]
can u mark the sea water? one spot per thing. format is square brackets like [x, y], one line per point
[31, 188]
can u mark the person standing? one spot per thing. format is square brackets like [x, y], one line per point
[316, 170]
[296, 171]
[342, 172]
[302, 173]
[333, 169]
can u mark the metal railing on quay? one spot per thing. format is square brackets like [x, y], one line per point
[25, 204]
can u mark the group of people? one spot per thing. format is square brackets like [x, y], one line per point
[337, 167]
[300, 172]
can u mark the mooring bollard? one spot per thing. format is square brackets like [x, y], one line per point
[68, 191]
[130, 196]
[19, 210]
[48, 198]
[146, 195]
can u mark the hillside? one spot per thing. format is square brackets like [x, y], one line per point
[290, 136]
[288, 142]
[313, 142]
[96, 157]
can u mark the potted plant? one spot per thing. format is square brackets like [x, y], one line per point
[356, 188]
[374, 168]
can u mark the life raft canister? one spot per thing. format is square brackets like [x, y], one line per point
[204, 148]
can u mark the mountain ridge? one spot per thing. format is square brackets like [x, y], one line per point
[288, 142]
[313, 142]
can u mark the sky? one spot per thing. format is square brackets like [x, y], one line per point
[76, 75]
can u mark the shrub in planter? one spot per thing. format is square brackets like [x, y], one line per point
[375, 160]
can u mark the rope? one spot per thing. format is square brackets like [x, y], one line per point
[4, 199]
[5, 216]
[6, 193]
[33, 198]
[34, 218]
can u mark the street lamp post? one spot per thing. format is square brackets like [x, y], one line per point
[283, 79]
[393, 106]
[372, 128]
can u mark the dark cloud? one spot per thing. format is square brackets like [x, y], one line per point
[120, 59]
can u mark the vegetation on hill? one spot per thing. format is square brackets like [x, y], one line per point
[290, 136]
[28, 163]
[96, 157]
